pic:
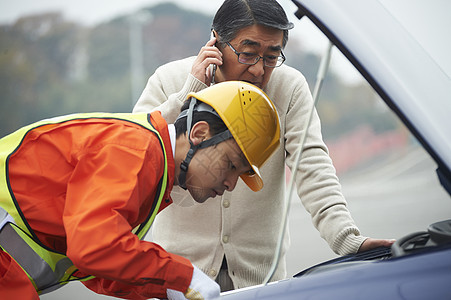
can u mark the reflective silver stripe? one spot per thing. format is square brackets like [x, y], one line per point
[30, 261]
[3, 214]
[5, 218]
[60, 269]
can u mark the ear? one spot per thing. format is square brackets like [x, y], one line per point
[200, 132]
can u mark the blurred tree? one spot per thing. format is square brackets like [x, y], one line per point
[173, 33]
[108, 51]
[34, 65]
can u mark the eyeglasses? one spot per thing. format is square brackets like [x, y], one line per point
[251, 59]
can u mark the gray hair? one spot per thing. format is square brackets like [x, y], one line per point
[234, 15]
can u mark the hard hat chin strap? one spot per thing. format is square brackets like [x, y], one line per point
[216, 139]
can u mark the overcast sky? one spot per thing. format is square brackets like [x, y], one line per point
[93, 11]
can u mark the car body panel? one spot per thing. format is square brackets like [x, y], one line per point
[418, 276]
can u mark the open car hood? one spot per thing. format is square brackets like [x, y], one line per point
[407, 64]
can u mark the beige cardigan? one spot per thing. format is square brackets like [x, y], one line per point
[243, 225]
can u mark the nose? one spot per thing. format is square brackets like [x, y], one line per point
[230, 182]
[257, 70]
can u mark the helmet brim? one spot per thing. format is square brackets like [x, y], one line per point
[254, 181]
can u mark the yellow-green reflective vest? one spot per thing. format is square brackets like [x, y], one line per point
[49, 270]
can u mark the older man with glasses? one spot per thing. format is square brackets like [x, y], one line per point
[234, 240]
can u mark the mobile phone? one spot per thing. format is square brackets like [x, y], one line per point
[213, 66]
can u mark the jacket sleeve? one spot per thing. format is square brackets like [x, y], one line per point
[127, 291]
[317, 184]
[110, 192]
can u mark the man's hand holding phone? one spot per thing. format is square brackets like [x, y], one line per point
[204, 67]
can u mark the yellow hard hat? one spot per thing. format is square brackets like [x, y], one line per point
[252, 119]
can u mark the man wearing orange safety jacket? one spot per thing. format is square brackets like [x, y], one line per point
[79, 192]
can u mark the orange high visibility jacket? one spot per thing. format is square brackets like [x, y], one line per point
[83, 185]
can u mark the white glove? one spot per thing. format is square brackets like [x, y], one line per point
[201, 287]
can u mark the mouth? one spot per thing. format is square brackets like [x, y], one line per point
[216, 193]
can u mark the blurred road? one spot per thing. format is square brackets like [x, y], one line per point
[399, 198]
